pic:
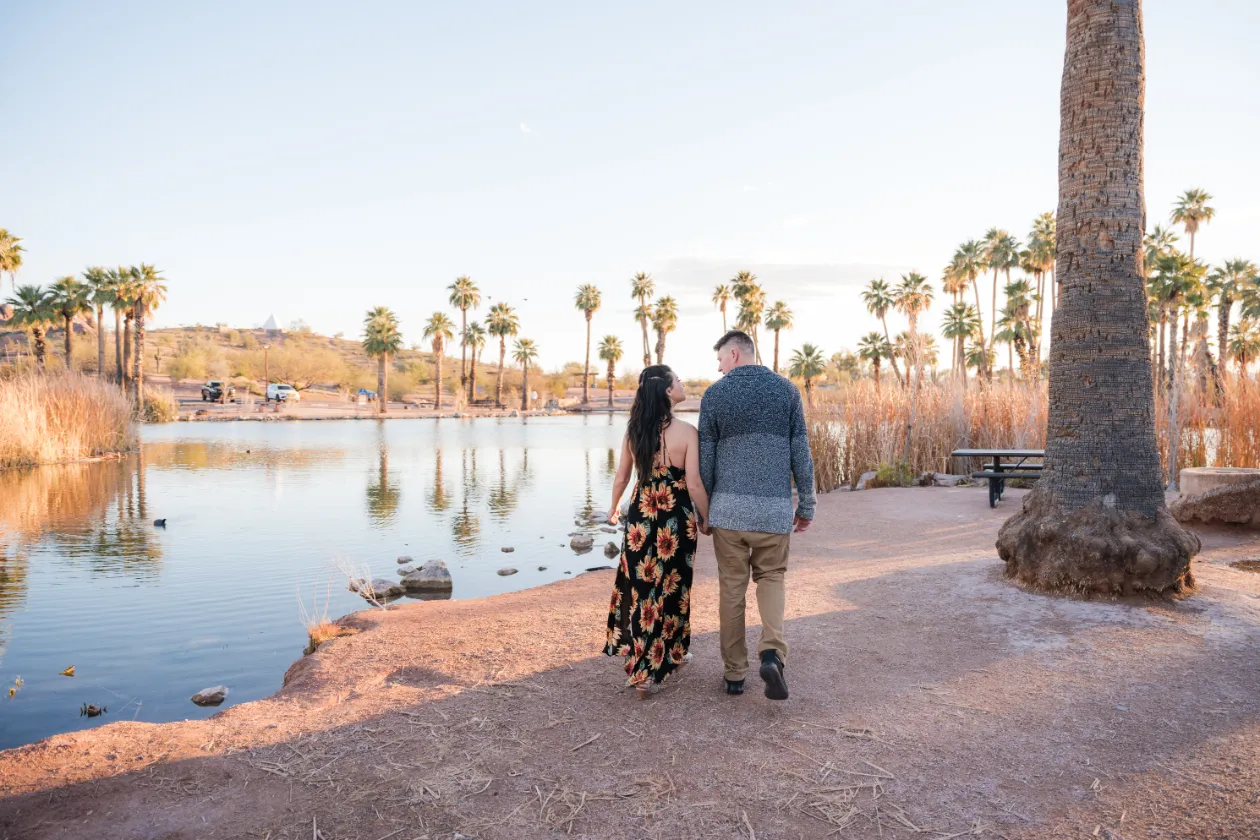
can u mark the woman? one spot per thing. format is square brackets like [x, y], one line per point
[649, 621]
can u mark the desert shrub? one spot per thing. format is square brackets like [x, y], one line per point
[45, 418]
[160, 406]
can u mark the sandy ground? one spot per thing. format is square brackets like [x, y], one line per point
[930, 698]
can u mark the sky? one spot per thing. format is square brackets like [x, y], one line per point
[316, 159]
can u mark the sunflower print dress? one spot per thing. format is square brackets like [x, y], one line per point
[649, 620]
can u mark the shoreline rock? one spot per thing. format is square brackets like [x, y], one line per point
[433, 576]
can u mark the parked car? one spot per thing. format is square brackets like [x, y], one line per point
[370, 396]
[212, 391]
[282, 393]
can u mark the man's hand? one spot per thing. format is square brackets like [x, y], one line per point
[800, 526]
[704, 527]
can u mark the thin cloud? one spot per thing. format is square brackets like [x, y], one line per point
[525, 129]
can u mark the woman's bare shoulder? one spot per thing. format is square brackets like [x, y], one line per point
[685, 429]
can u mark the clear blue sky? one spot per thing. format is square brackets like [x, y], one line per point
[316, 159]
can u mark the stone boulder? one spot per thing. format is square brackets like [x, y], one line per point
[431, 577]
[1233, 504]
[409, 569]
[947, 480]
[210, 696]
[866, 480]
[1197, 480]
[506, 571]
[612, 550]
[381, 588]
[404, 560]
[582, 544]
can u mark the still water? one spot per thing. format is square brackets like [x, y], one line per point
[259, 518]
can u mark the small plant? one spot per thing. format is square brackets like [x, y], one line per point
[893, 475]
[160, 406]
[319, 628]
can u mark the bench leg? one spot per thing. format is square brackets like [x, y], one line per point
[993, 492]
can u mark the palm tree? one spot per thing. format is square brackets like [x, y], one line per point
[475, 338]
[32, 310]
[1190, 211]
[526, 353]
[438, 330]
[610, 351]
[664, 321]
[1244, 344]
[721, 297]
[1001, 253]
[11, 252]
[873, 347]
[1096, 521]
[464, 296]
[101, 293]
[148, 291]
[381, 339]
[752, 305]
[1019, 309]
[912, 296]
[879, 299]
[68, 298]
[1225, 283]
[970, 260]
[119, 282]
[1038, 260]
[778, 318]
[587, 302]
[960, 323]
[503, 324]
[808, 363]
[124, 294]
[641, 288]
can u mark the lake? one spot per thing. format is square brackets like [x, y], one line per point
[261, 520]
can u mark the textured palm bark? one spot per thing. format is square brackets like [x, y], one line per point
[1096, 521]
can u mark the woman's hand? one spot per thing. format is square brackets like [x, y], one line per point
[614, 516]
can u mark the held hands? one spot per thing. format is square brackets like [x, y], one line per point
[800, 526]
[704, 527]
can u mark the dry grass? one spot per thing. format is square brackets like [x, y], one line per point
[862, 427]
[48, 418]
[325, 631]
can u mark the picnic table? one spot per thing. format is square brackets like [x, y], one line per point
[997, 473]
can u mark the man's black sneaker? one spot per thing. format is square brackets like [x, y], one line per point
[734, 686]
[772, 673]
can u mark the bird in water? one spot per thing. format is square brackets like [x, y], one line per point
[69, 672]
[159, 523]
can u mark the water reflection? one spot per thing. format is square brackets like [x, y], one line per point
[383, 495]
[438, 498]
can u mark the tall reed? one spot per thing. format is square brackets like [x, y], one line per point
[862, 427]
[47, 418]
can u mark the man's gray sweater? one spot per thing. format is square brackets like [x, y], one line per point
[753, 442]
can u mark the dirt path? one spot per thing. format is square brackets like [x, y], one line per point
[930, 699]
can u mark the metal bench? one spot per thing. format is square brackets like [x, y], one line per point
[996, 473]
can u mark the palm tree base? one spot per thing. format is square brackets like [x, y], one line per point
[1096, 550]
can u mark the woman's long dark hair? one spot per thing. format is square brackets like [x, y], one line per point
[651, 413]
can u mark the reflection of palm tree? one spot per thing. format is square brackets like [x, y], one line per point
[384, 496]
[610, 466]
[438, 499]
[466, 527]
[502, 499]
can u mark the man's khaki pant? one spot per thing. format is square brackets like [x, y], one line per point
[766, 556]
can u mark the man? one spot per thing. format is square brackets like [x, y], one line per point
[753, 442]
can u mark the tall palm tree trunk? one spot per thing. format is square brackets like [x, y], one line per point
[69, 337]
[875, 370]
[1160, 375]
[883, 319]
[100, 341]
[498, 384]
[118, 356]
[463, 348]
[984, 348]
[472, 376]
[776, 352]
[1222, 327]
[660, 347]
[137, 363]
[382, 395]
[1096, 520]
[612, 381]
[525, 386]
[586, 372]
[437, 385]
[993, 311]
[647, 353]
[1174, 314]
[724, 318]
[127, 347]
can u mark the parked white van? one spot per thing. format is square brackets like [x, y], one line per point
[282, 393]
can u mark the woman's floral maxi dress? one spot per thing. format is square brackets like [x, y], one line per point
[649, 620]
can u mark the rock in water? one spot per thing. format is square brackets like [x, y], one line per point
[608, 529]
[408, 569]
[210, 696]
[507, 571]
[403, 560]
[542, 568]
[159, 523]
[582, 543]
[507, 549]
[381, 588]
[612, 550]
[432, 576]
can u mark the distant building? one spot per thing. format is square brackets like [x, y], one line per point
[270, 326]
